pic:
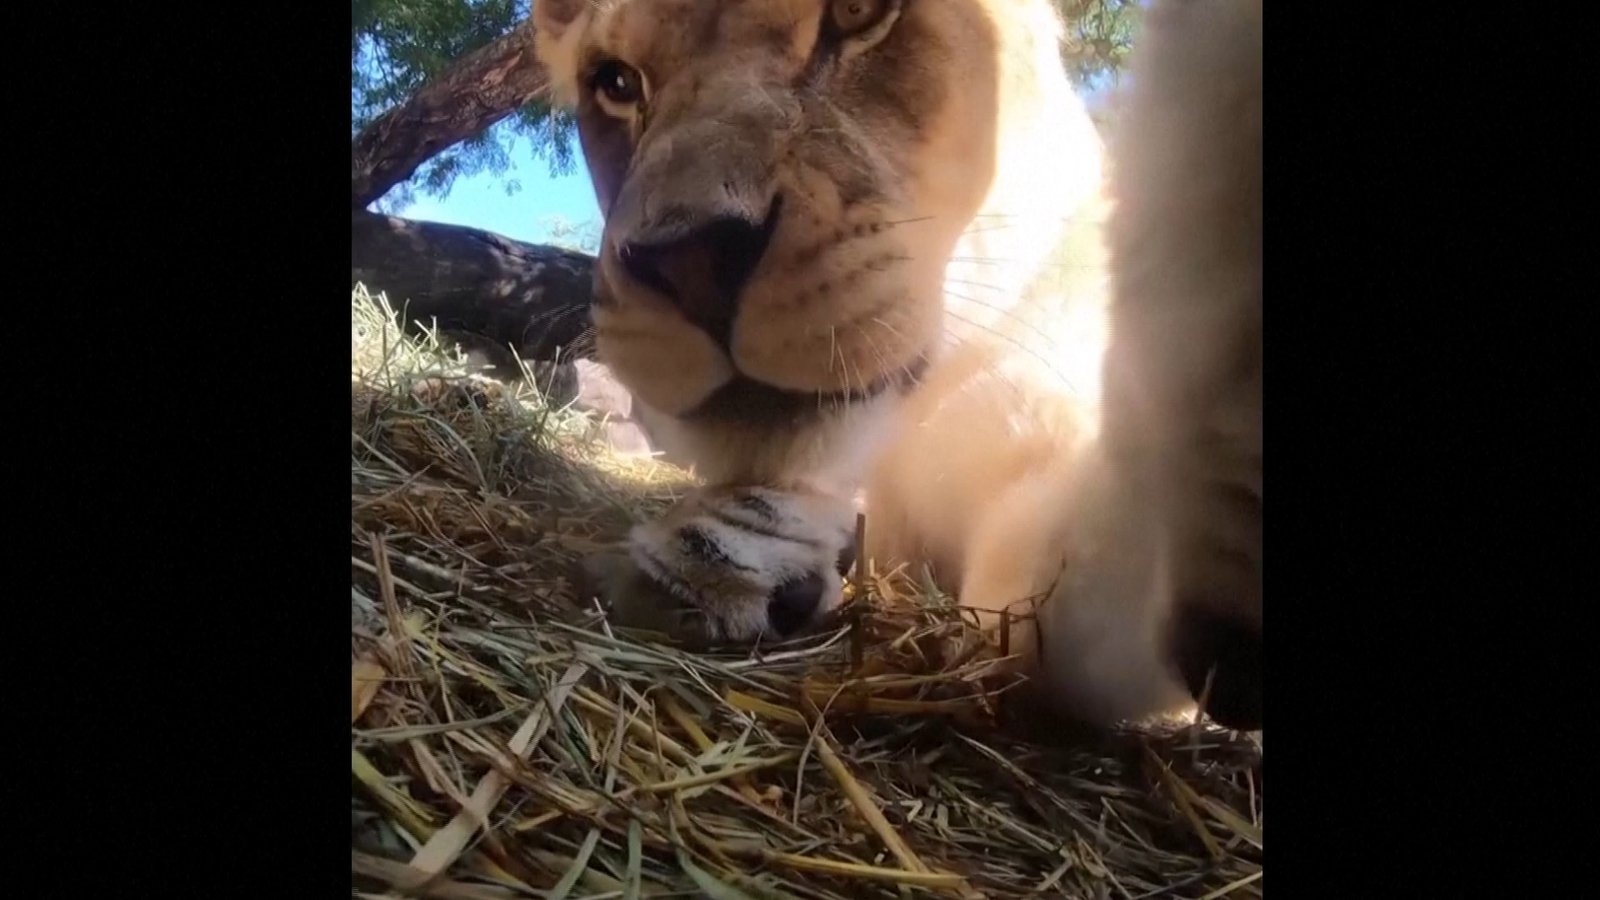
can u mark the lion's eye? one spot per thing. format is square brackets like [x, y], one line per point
[618, 82]
[853, 16]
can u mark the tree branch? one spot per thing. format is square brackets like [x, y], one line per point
[475, 93]
[533, 298]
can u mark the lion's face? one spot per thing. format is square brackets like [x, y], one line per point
[782, 181]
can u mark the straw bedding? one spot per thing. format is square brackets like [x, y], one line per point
[506, 741]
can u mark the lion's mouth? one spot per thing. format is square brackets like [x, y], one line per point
[746, 399]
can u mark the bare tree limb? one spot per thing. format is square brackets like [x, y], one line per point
[533, 298]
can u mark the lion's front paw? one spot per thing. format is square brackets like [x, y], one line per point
[731, 565]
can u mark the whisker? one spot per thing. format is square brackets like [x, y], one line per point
[905, 368]
[988, 369]
[1020, 320]
[1001, 261]
[986, 227]
[1037, 217]
[1035, 354]
[1023, 215]
[893, 222]
[884, 366]
[835, 349]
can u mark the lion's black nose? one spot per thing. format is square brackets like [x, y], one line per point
[705, 270]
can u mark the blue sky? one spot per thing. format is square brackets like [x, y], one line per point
[481, 201]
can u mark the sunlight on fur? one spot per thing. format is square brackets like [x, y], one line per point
[856, 256]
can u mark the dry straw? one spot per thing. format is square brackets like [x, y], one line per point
[507, 741]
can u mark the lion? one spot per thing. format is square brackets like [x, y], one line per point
[874, 256]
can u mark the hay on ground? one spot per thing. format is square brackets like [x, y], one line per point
[508, 742]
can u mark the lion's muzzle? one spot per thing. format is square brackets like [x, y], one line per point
[704, 270]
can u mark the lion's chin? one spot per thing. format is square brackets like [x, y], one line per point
[682, 371]
[749, 400]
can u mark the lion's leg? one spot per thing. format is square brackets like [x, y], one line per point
[1093, 646]
[1167, 518]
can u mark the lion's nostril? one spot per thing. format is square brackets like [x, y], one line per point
[793, 604]
[643, 264]
[705, 270]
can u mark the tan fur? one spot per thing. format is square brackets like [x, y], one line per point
[929, 179]
[1178, 466]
